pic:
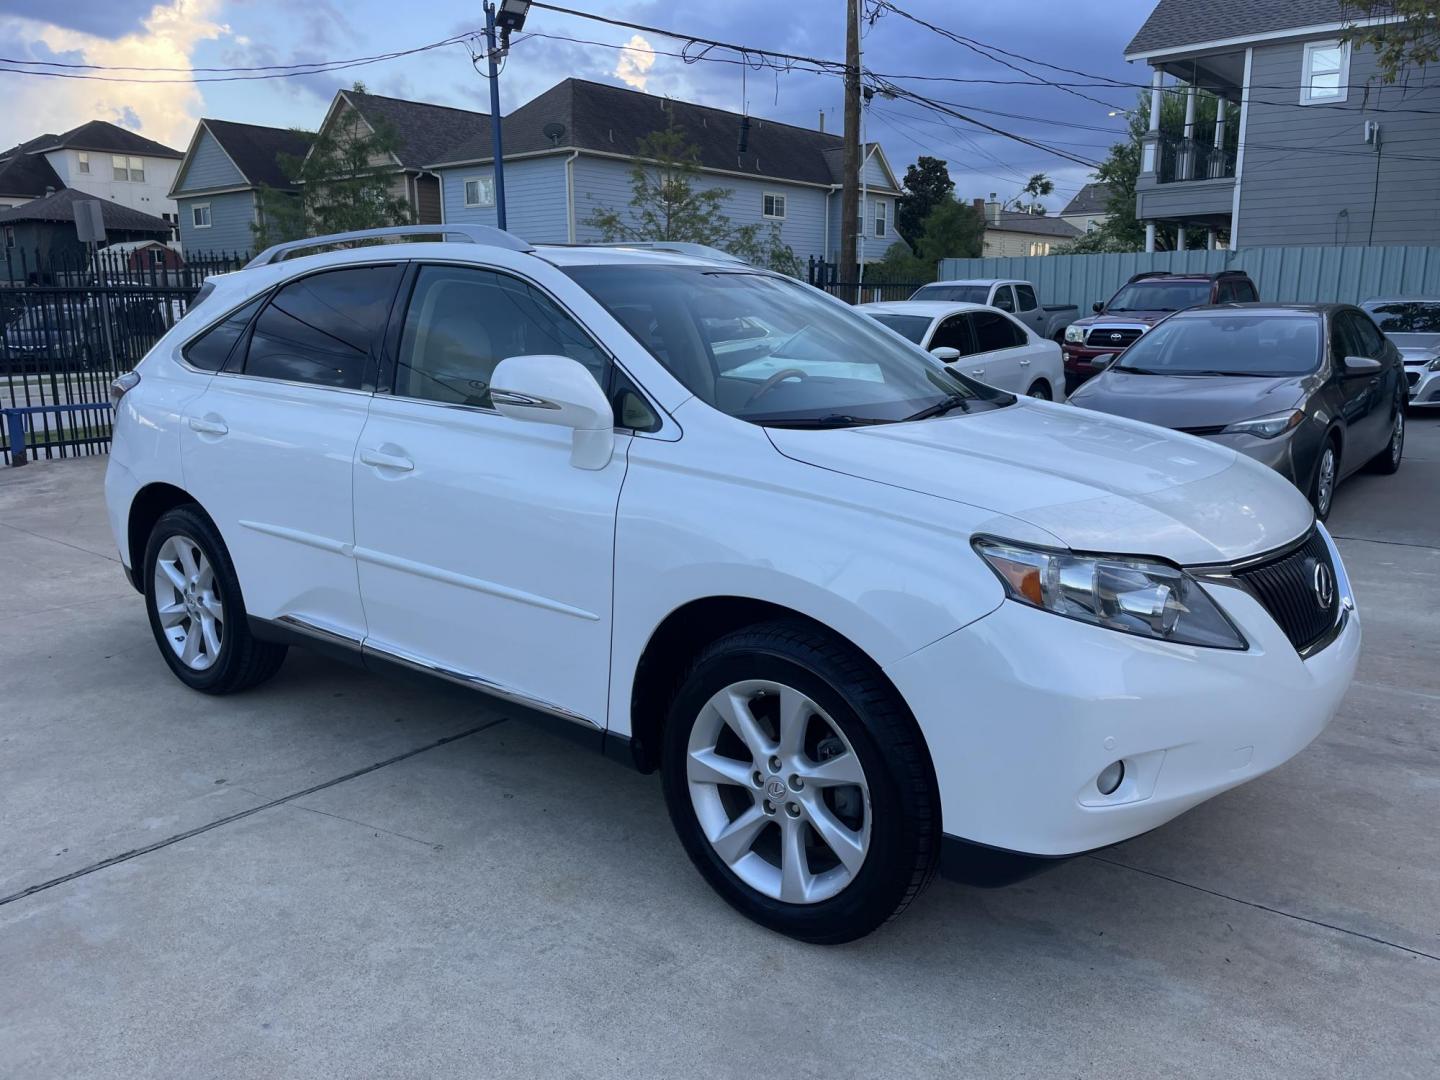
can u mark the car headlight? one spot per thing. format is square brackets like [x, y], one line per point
[1075, 335]
[1267, 427]
[1135, 596]
[1434, 365]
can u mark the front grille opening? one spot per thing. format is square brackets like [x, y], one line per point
[1292, 589]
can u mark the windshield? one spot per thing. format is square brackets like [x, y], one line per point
[1227, 344]
[1160, 295]
[909, 326]
[1406, 316]
[961, 294]
[769, 350]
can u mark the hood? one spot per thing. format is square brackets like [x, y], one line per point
[1188, 401]
[1415, 348]
[1095, 482]
[1120, 318]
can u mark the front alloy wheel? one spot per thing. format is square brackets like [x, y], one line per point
[191, 613]
[1325, 473]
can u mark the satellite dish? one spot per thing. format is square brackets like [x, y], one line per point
[554, 132]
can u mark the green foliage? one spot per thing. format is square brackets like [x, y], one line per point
[952, 230]
[346, 182]
[667, 204]
[1037, 187]
[1410, 39]
[927, 185]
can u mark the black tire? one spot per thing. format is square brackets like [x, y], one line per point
[1040, 389]
[1319, 499]
[1387, 462]
[241, 661]
[904, 844]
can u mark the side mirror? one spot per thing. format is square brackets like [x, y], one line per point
[558, 390]
[1361, 365]
[945, 354]
[1098, 306]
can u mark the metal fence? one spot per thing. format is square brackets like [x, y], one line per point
[1285, 274]
[69, 331]
[860, 286]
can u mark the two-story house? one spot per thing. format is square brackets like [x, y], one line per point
[1327, 153]
[1012, 233]
[97, 158]
[572, 150]
[218, 186]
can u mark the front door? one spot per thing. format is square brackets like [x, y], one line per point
[482, 552]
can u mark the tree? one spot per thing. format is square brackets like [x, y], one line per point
[345, 182]
[1409, 38]
[1037, 187]
[953, 230]
[927, 185]
[667, 203]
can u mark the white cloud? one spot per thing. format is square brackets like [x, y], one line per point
[165, 111]
[634, 63]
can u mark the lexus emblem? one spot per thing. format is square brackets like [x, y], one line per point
[1117, 337]
[1324, 585]
[775, 789]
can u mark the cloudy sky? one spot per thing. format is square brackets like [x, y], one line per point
[171, 42]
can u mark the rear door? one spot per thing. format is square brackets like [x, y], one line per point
[1359, 392]
[1384, 385]
[1028, 309]
[266, 449]
[1000, 358]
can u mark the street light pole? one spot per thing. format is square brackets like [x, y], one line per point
[496, 141]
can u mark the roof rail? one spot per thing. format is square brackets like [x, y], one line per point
[471, 234]
[1149, 274]
[677, 247]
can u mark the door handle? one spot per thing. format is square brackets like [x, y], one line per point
[382, 459]
[1024, 363]
[977, 371]
[209, 425]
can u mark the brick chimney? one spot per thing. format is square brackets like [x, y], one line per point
[988, 210]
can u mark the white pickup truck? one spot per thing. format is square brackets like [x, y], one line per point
[1010, 295]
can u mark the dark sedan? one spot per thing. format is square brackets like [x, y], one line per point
[1315, 391]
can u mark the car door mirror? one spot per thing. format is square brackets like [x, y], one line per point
[561, 391]
[1098, 306]
[945, 353]
[1361, 365]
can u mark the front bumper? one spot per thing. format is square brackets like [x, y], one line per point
[1022, 709]
[1292, 454]
[1425, 389]
[1081, 361]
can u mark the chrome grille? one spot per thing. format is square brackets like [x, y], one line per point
[1287, 587]
[1112, 337]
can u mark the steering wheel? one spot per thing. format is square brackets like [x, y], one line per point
[774, 381]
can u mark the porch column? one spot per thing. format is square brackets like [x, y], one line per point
[1149, 236]
[1150, 145]
[1180, 238]
[1211, 240]
[1187, 147]
[1217, 159]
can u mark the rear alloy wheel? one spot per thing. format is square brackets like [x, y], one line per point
[798, 784]
[1322, 492]
[1040, 390]
[1388, 460]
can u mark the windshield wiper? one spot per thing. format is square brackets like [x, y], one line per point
[831, 420]
[941, 407]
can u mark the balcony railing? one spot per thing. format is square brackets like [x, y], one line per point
[1178, 160]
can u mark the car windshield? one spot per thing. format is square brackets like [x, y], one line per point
[1227, 343]
[908, 326]
[766, 349]
[1160, 296]
[1406, 316]
[960, 294]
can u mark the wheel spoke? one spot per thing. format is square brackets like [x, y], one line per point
[211, 631]
[795, 713]
[191, 650]
[206, 578]
[733, 842]
[735, 711]
[834, 772]
[708, 767]
[846, 843]
[189, 559]
[211, 603]
[795, 876]
[173, 574]
[170, 614]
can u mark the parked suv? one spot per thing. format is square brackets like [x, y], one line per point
[1147, 298]
[869, 618]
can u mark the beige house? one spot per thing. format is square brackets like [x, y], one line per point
[1010, 233]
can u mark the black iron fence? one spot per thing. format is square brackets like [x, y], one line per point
[1191, 159]
[69, 330]
[861, 285]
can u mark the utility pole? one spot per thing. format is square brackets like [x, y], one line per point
[850, 181]
[497, 146]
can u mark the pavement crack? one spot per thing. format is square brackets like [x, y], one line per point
[230, 818]
[1387, 543]
[62, 543]
[1265, 907]
[365, 825]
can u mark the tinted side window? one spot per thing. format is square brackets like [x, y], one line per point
[1343, 340]
[1369, 336]
[1003, 299]
[1245, 292]
[995, 332]
[461, 323]
[953, 333]
[1224, 293]
[324, 328]
[1026, 296]
[209, 351]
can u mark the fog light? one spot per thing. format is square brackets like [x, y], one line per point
[1110, 777]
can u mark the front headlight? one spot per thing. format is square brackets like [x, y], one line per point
[1135, 596]
[1434, 365]
[1267, 427]
[1075, 335]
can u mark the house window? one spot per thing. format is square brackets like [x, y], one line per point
[881, 222]
[157, 257]
[84, 161]
[200, 215]
[9, 236]
[119, 167]
[1326, 72]
[137, 170]
[1039, 247]
[772, 206]
[480, 191]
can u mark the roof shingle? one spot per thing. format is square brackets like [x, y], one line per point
[23, 173]
[60, 207]
[256, 150]
[424, 132]
[1090, 199]
[108, 138]
[1177, 23]
[1037, 224]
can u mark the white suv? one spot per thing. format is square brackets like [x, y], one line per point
[869, 618]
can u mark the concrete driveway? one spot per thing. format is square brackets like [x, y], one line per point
[339, 876]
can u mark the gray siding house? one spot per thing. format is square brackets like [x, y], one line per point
[1327, 153]
[570, 152]
[217, 187]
